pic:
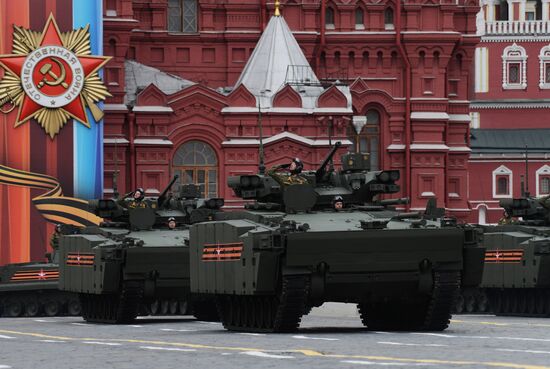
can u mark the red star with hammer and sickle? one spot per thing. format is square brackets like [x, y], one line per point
[41, 274]
[51, 36]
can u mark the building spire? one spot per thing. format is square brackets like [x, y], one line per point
[277, 11]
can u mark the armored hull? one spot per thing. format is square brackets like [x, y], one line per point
[267, 269]
[516, 278]
[138, 261]
[31, 289]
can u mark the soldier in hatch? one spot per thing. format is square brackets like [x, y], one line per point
[288, 174]
[172, 223]
[338, 203]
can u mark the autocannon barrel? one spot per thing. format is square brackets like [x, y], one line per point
[320, 172]
[399, 201]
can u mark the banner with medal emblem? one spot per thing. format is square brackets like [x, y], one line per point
[51, 96]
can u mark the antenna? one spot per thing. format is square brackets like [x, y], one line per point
[527, 194]
[261, 166]
[115, 175]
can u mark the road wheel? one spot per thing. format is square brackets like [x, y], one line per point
[164, 307]
[459, 305]
[52, 308]
[154, 307]
[470, 304]
[13, 308]
[173, 307]
[74, 308]
[183, 307]
[482, 302]
[32, 308]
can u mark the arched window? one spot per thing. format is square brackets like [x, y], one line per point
[544, 60]
[514, 67]
[359, 19]
[182, 16]
[388, 18]
[502, 182]
[196, 162]
[329, 18]
[364, 133]
[543, 180]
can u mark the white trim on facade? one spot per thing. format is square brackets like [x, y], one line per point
[502, 171]
[542, 171]
[152, 141]
[544, 61]
[514, 54]
[282, 136]
[429, 115]
[481, 70]
[429, 147]
[152, 109]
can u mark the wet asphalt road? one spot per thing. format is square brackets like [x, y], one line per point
[330, 337]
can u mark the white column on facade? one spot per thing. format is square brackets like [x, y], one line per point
[489, 7]
[522, 10]
[512, 13]
[545, 10]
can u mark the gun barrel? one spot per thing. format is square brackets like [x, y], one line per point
[163, 194]
[414, 214]
[399, 201]
[320, 172]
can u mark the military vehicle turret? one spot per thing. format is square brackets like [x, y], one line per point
[31, 289]
[139, 255]
[326, 236]
[516, 277]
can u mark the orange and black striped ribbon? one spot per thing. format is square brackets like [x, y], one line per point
[222, 251]
[52, 205]
[504, 256]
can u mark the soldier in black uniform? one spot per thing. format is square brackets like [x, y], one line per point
[288, 174]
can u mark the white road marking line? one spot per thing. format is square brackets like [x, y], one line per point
[84, 324]
[166, 348]
[214, 323]
[103, 343]
[378, 332]
[43, 321]
[436, 335]
[412, 344]
[266, 355]
[226, 353]
[178, 330]
[136, 326]
[253, 334]
[51, 341]
[7, 337]
[315, 338]
[5, 367]
[525, 351]
[360, 362]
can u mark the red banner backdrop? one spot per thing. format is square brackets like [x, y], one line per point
[24, 234]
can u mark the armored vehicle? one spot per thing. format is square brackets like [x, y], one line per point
[516, 277]
[30, 289]
[136, 258]
[294, 247]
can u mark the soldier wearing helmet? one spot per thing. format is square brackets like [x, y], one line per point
[338, 203]
[172, 223]
[288, 174]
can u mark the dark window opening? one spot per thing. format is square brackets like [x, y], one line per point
[388, 18]
[545, 186]
[368, 139]
[182, 16]
[329, 18]
[359, 18]
[514, 73]
[502, 185]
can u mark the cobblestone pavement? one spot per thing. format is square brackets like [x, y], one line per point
[329, 337]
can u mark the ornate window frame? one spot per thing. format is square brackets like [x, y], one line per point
[542, 173]
[514, 54]
[500, 172]
[544, 61]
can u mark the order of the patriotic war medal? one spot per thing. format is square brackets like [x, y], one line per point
[52, 77]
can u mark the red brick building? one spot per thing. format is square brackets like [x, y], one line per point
[397, 71]
[510, 105]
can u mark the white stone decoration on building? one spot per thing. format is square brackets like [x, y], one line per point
[543, 174]
[482, 70]
[544, 60]
[500, 172]
[514, 56]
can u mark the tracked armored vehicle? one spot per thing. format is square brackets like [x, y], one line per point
[291, 250]
[31, 289]
[516, 278]
[134, 259]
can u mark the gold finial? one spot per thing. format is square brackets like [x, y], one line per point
[277, 11]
